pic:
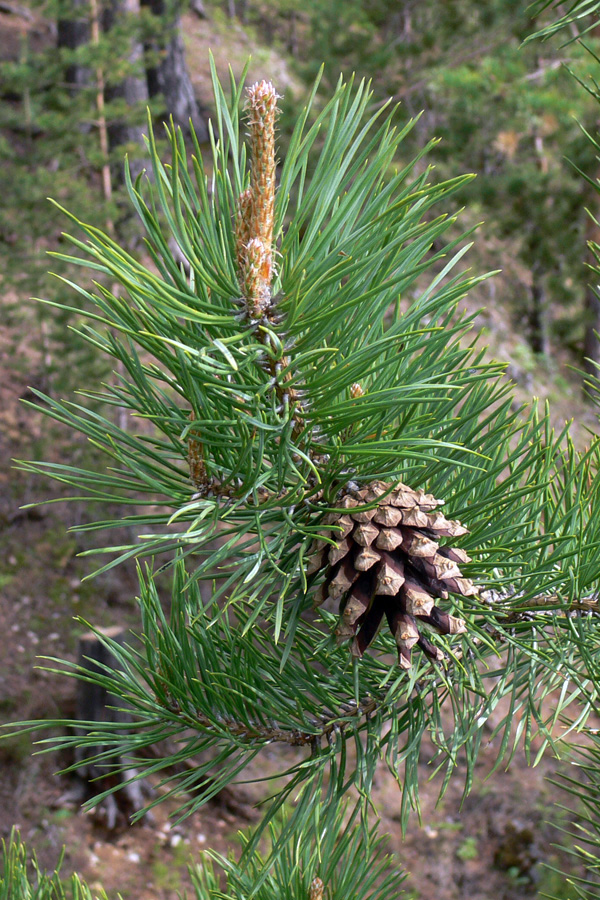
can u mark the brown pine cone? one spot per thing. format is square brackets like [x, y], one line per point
[388, 562]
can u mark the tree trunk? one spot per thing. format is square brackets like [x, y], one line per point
[133, 89]
[101, 120]
[197, 6]
[73, 30]
[172, 78]
[95, 704]
[538, 325]
[539, 340]
[292, 42]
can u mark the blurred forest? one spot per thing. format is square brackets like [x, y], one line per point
[76, 80]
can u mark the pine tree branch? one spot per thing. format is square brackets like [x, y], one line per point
[274, 734]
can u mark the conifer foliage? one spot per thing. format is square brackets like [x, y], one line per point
[305, 384]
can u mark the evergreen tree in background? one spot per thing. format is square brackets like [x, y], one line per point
[508, 112]
[303, 400]
[71, 108]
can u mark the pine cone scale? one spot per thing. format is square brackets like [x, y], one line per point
[346, 525]
[390, 576]
[388, 539]
[337, 553]
[357, 604]
[388, 516]
[455, 554]
[367, 558]
[417, 601]
[344, 578]
[369, 627]
[364, 535]
[414, 518]
[406, 634]
[429, 649]
[416, 544]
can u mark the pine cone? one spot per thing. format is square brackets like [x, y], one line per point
[388, 562]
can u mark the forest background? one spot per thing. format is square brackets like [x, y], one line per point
[75, 80]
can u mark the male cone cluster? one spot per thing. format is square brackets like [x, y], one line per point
[388, 561]
[256, 205]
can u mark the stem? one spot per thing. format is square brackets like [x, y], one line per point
[274, 734]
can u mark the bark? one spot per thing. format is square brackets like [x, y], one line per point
[95, 704]
[177, 88]
[591, 342]
[539, 333]
[73, 31]
[133, 89]
[538, 324]
[93, 701]
[101, 121]
[197, 6]
[172, 78]
[15, 9]
[292, 42]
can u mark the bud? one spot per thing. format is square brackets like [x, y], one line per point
[262, 111]
[256, 205]
[255, 283]
[243, 227]
[316, 889]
